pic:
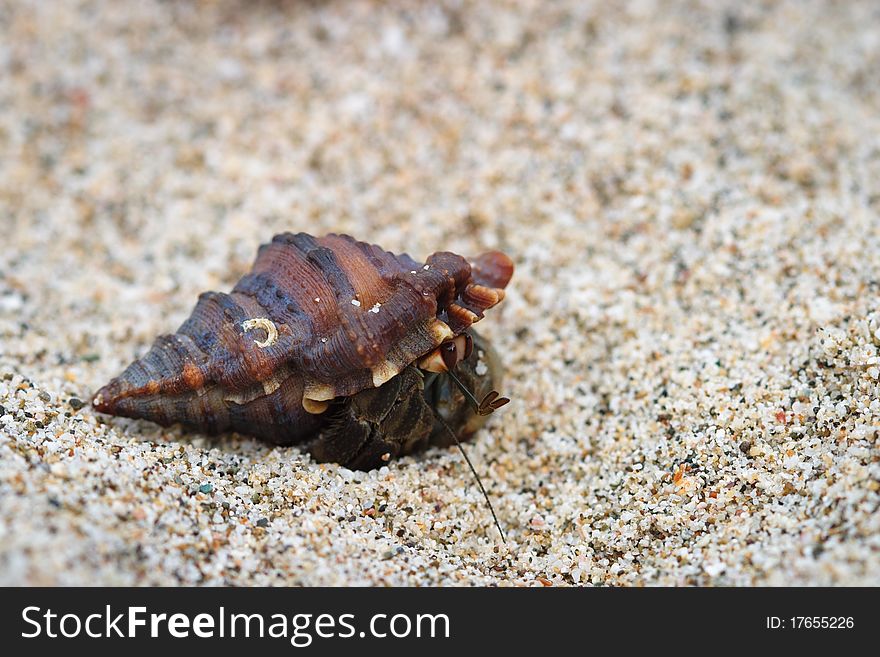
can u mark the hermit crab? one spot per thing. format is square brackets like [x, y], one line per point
[364, 354]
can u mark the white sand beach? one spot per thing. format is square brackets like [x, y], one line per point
[690, 192]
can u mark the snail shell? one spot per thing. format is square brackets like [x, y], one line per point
[317, 318]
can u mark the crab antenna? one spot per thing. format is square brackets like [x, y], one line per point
[490, 403]
[476, 476]
[464, 389]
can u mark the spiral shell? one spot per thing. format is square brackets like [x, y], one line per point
[315, 319]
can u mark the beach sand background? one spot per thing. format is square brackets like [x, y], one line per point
[690, 192]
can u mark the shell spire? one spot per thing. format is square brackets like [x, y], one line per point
[314, 319]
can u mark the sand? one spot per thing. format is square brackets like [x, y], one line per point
[692, 337]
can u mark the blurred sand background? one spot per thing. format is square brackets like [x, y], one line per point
[690, 192]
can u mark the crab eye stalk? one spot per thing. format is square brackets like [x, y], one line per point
[443, 361]
[468, 345]
[464, 346]
[449, 354]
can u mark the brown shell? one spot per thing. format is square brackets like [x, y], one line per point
[315, 319]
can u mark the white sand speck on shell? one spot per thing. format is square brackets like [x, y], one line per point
[691, 194]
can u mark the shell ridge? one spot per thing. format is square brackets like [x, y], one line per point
[363, 351]
[279, 305]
